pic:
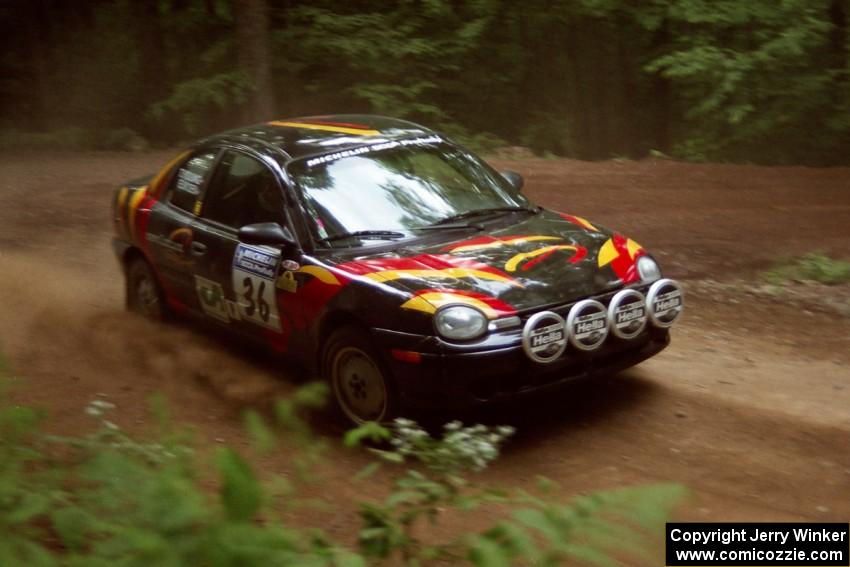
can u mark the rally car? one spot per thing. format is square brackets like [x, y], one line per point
[389, 260]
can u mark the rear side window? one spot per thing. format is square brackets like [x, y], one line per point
[243, 191]
[187, 184]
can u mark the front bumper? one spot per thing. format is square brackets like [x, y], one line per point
[451, 377]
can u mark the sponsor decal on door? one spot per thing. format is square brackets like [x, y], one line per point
[254, 275]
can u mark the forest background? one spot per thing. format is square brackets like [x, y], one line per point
[763, 81]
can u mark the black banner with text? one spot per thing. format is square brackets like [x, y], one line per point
[758, 544]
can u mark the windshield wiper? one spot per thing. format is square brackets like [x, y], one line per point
[483, 212]
[447, 226]
[366, 234]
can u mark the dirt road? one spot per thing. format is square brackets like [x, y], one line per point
[750, 406]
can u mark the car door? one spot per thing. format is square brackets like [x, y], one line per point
[236, 283]
[170, 230]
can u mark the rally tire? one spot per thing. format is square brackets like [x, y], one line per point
[361, 387]
[144, 294]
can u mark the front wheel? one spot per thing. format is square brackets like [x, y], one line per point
[143, 293]
[362, 389]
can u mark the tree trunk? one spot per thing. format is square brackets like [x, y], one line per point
[838, 35]
[252, 39]
[153, 74]
[39, 41]
[627, 91]
[661, 99]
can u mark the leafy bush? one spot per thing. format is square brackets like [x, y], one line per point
[195, 100]
[73, 139]
[110, 499]
[480, 142]
[538, 531]
[814, 266]
[123, 139]
[390, 527]
[65, 139]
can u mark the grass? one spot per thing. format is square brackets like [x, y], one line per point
[814, 266]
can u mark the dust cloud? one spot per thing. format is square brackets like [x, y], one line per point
[58, 321]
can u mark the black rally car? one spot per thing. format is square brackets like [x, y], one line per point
[390, 260]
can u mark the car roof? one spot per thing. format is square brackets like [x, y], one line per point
[312, 135]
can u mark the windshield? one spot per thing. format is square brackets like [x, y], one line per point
[397, 186]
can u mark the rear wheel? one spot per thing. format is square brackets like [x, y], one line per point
[363, 390]
[144, 295]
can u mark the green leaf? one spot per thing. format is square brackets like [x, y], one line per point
[343, 558]
[262, 437]
[403, 497]
[313, 395]
[160, 410]
[590, 555]
[546, 485]
[27, 508]
[23, 552]
[73, 525]
[240, 492]
[286, 414]
[539, 521]
[369, 431]
[514, 540]
[389, 456]
[367, 471]
[487, 553]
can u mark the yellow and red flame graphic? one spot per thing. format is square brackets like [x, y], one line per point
[490, 242]
[429, 300]
[427, 267]
[541, 254]
[621, 254]
[584, 223]
[526, 259]
[427, 270]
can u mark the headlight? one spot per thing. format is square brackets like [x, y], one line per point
[460, 322]
[648, 269]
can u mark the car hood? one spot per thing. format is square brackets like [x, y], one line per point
[543, 259]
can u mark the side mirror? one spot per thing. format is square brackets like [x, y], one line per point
[514, 178]
[269, 234]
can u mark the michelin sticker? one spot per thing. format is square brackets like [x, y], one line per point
[374, 148]
[254, 275]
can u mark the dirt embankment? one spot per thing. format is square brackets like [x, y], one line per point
[749, 405]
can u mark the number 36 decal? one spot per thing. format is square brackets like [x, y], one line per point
[254, 273]
[256, 301]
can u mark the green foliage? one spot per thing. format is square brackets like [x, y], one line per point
[418, 495]
[21, 499]
[814, 266]
[73, 139]
[592, 529]
[754, 80]
[240, 490]
[123, 139]
[108, 498]
[77, 139]
[599, 528]
[195, 99]
[395, 59]
[758, 78]
[480, 142]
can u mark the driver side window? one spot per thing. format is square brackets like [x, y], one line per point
[243, 191]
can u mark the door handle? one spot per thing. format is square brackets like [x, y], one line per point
[198, 248]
